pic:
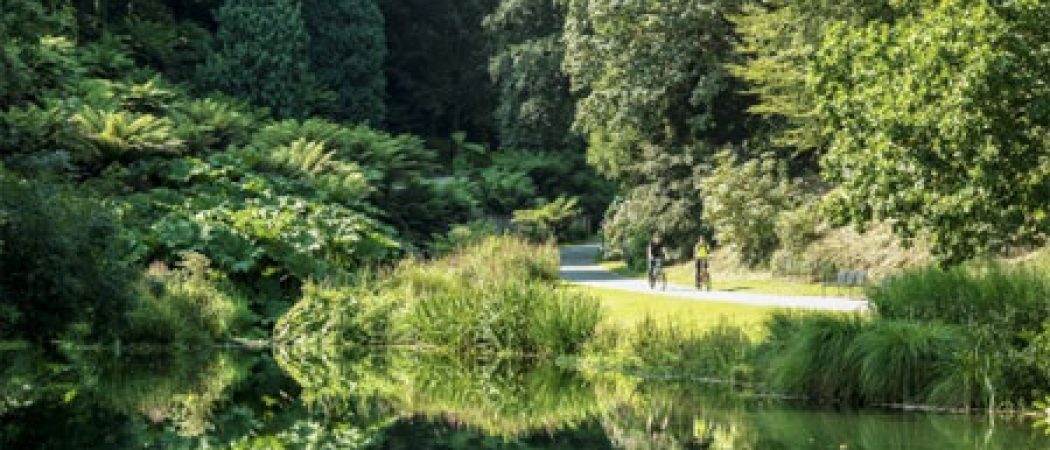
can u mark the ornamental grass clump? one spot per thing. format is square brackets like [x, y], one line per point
[497, 295]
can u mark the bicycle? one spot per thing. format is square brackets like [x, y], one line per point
[657, 275]
[703, 276]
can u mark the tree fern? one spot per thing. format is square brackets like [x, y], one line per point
[210, 124]
[336, 178]
[122, 135]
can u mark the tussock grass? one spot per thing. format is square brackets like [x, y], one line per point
[858, 360]
[810, 354]
[1011, 298]
[723, 351]
[496, 295]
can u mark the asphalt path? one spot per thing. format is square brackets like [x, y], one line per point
[578, 266]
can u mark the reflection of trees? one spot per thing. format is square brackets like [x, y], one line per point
[183, 389]
[640, 414]
[411, 400]
[501, 397]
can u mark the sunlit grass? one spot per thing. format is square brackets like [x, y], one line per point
[745, 282]
[625, 309]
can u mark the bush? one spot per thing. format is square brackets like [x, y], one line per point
[62, 261]
[191, 303]
[548, 221]
[742, 201]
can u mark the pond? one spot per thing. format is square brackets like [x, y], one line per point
[327, 398]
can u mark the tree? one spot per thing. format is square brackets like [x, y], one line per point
[938, 116]
[436, 71]
[742, 202]
[347, 52]
[779, 39]
[262, 56]
[535, 108]
[656, 101]
[651, 74]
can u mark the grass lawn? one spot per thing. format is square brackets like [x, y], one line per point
[624, 309]
[757, 282]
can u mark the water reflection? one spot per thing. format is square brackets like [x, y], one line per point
[324, 397]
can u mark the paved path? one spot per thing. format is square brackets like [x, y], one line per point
[578, 266]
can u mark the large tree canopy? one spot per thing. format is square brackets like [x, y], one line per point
[650, 73]
[438, 82]
[535, 108]
[937, 117]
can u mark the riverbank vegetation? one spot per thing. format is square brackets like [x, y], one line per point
[960, 338]
[393, 172]
[498, 294]
[151, 189]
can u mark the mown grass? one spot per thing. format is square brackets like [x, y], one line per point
[734, 281]
[624, 309]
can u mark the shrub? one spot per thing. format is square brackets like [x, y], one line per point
[191, 303]
[62, 261]
[742, 201]
[328, 313]
[547, 221]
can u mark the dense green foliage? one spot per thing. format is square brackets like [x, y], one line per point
[742, 202]
[494, 294]
[60, 262]
[347, 52]
[959, 107]
[436, 71]
[261, 206]
[262, 56]
[535, 108]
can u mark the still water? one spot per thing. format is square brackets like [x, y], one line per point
[324, 398]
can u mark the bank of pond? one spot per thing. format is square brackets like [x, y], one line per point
[332, 398]
[484, 347]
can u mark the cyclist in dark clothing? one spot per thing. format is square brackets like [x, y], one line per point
[655, 251]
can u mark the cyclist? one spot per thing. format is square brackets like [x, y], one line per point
[702, 253]
[655, 252]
